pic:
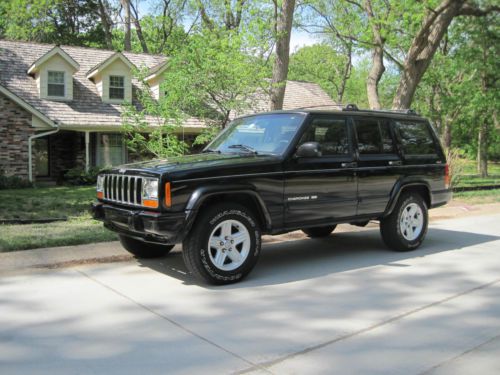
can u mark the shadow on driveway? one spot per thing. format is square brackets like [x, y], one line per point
[290, 261]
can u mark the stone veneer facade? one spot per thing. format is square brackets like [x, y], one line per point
[15, 130]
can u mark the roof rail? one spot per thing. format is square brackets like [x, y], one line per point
[404, 111]
[354, 107]
[350, 107]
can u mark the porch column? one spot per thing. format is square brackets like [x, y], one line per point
[87, 151]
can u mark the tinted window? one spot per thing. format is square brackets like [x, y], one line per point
[331, 134]
[374, 137]
[416, 138]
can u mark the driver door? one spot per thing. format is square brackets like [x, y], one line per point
[322, 189]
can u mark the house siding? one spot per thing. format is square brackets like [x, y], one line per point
[15, 130]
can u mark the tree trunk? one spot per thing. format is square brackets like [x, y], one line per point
[447, 133]
[280, 69]
[126, 8]
[138, 30]
[106, 23]
[378, 68]
[422, 50]
[482, 150]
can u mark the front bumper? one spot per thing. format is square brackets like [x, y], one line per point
[143, 225]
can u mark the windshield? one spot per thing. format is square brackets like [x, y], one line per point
[261, 134]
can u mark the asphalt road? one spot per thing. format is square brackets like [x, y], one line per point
[341, 305]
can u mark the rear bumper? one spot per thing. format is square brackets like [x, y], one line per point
[441, 197]
[147, 226]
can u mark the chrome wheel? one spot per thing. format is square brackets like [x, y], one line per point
[229, 245]
[411, 221]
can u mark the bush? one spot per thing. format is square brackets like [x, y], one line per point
[13, 182]
[456, 163]
[78, 176]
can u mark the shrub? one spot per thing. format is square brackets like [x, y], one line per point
[78, 176]
[456, 163]
[13, 182]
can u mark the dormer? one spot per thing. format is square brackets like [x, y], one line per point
[113, 79]
[53, 73]
[155, 79]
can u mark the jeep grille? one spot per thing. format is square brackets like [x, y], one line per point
[123, 189]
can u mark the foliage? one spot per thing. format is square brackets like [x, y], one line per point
[79, 176]
[456, 165]
[13, 182]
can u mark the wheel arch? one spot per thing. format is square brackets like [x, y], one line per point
[420, 187]
[242, 195]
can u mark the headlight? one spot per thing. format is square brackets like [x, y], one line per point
[100, 187]
[149, 188]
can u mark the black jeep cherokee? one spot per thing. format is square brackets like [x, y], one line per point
[276, 172]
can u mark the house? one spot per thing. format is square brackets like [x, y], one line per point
[61, 106]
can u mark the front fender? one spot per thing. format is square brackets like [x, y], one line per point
[200, 195]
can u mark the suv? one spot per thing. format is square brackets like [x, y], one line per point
[276, 172]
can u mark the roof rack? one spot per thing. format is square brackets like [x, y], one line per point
[354, 107]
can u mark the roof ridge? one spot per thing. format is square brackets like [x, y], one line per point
[80, 47]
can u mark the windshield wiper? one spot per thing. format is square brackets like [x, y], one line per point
[245, 148]
[211, 150]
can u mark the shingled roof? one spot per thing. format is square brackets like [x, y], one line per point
[87, 108]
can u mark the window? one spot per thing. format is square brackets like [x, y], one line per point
[117, 87]
[110, 150]
[55, 84]
[331, 134]
[374, 137]
[416, 138]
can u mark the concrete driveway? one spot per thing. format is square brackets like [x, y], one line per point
[341, 305]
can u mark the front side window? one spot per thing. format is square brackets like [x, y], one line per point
[374, 136]
[265, 134]
[55, 84]
[416, 138]
[330, 133]
[117, 87]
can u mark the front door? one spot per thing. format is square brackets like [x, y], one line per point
[41, 157]
[322, 189]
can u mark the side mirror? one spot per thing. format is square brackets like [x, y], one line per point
[308, 150]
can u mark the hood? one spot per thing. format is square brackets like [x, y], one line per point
[212, 163]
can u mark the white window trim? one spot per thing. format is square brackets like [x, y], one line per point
[116, 87]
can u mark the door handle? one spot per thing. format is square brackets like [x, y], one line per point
[349, 165]
[395, 162]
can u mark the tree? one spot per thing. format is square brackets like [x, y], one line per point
[283, 29]
[127, 44]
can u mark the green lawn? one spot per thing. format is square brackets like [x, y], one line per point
[479, 196]
[470, 177]
[71, 202]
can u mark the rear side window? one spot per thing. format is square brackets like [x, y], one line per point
[330, 133]
[416, 138]
[374, 136]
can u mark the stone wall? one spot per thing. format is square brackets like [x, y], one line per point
[15, 129]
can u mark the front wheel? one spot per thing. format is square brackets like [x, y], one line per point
[405, 228]
[318, 232]
[143, 249]
[224, 244]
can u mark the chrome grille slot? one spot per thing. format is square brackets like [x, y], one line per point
[123, 189]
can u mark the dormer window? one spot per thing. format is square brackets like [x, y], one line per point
[117, 87]
[55, 84]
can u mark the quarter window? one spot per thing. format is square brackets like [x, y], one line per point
[117, 87]
[416, 138]
[374, 137]
[55, 84]
[331, 134]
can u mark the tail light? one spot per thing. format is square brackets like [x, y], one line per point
[447, 176]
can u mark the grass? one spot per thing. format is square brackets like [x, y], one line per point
[478, 196]
[470, 177]
[71, 202]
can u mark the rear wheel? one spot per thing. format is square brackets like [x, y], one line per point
[318, 232]
[143, 249]
[405, 228]
[224, 244]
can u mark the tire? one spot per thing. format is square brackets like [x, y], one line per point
[405, 228]
[319, 232]
[142, 249]
[209, 251]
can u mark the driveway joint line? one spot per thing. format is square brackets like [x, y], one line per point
[284, 358]
[254, 366]
[449, 360]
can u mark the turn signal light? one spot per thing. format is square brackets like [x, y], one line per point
[150, 203]
[168, 195]
[100, 195]
[447, 176]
